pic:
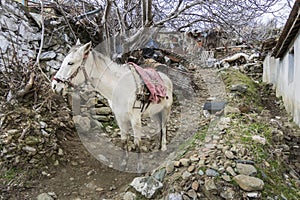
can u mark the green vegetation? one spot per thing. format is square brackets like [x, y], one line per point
[243, 127]
[112, 123]
[270, 167]
[9, 174]
[251, 96]
[190, 144]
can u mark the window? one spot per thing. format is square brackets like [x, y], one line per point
[291, 66]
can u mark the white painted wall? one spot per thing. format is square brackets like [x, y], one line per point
[284, 73]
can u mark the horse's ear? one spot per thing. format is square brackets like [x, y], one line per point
[87, 47]
[78, 42]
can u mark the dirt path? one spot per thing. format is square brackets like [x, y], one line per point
[81, 177]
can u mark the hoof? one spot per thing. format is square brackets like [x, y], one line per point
[164, 148]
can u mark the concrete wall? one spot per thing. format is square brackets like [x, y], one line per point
[284, 73]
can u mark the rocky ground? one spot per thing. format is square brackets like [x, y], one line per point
[250, 150]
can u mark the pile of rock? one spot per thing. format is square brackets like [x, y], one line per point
[206, 174]
[90, 111]
[27, 134]
[31, 138]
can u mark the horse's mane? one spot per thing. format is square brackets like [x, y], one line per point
[118, 69]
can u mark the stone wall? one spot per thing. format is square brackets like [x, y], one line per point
[21, 38]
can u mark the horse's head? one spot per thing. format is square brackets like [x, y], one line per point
[70, 72]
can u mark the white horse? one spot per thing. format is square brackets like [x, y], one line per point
[119, 85]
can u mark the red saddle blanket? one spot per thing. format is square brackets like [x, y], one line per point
[153, 81]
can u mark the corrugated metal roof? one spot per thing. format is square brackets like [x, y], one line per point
[289, 31]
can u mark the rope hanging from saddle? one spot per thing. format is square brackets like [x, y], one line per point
[153, 87]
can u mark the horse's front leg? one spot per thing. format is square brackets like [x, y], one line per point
[124, 128]
[137, 128]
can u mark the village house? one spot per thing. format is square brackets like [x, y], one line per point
[282, 65]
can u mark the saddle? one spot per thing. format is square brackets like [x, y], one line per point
[153, 88]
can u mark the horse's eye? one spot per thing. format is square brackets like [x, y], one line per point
[70, 63]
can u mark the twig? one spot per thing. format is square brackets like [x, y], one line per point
[24, 132]
[66, 19]
[86, 14]
[28, 86]
[37, 62]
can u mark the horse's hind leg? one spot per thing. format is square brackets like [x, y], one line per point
[157, 118]
[165, 115]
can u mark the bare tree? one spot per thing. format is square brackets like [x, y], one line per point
[126, 22]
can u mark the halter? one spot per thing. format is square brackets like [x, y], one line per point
[82, 67]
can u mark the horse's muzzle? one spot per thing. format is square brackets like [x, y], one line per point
[57, 87]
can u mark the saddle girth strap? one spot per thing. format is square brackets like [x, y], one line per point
[142, 94]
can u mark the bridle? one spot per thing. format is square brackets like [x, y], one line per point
[74, 74]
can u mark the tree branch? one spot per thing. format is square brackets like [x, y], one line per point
[37, 62]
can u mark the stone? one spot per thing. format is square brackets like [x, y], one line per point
[191, 168]
[49, 55]
[29, 149]
[4, 44]
[194, 158]
[246, 169]
[91, 185]
[83, 123]
[91, 172]
[91, 102]
[44, 196]
[229, 155]
[9, 22]
[200, 172]
[223, 123]
[53, 64]
[160, 174]
[185, 162]
[277, 135]
[129, 196]
[201, 163]
[174, 196]
[253, 195]
[242, 88]
[230, 171]
[226, 178]
[170, 167]
[31, 140]
[209, 184]
[99, 189]
[214, 106]
[228, 193]
[103, 111]
[37, 18]
[249, 183]
[186, 175]
[259, 139]
[28, 32]
[195, 185]
[211, 173]
[192, 194]
[231, 110]
[147, 186]
[101, 118]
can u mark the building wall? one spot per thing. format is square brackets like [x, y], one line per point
[284, 74]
